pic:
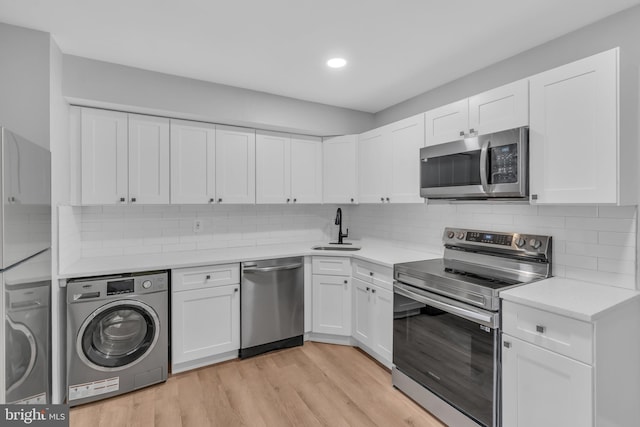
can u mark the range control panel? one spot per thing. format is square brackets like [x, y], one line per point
[515, 242]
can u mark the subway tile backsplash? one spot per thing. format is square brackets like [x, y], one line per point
[591, 243]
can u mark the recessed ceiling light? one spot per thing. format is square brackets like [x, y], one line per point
[337, 62]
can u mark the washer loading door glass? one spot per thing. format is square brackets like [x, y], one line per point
[118, 334]
[21, 354]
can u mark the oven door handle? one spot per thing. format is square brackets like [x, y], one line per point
[484, 180]
[485, 319]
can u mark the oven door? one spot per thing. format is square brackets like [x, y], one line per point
[450, 348]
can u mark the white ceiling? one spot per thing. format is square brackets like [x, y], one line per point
[396, 49]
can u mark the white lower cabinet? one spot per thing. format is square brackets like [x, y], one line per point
[331, 305]
[562, 371]
[205, 316]
[372, 320]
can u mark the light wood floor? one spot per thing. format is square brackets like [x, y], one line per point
[313, 385]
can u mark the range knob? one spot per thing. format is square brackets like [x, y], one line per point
[520, 242]
[460, 235]
[146, 284]
[535, 244]
[450, 234]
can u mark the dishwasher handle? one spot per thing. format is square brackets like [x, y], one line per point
[274, 268]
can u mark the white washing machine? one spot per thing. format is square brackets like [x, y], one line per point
[117, 334]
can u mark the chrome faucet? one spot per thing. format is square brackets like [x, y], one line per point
[339, 224]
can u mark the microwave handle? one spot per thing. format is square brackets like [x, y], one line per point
[484, 180]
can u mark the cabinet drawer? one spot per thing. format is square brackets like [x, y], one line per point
[332, 266]
[570, 337]
[183, 279]
[373, 273]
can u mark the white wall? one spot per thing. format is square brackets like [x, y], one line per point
[24, 82]
[622, 29]
[595, 244]
[101, 84]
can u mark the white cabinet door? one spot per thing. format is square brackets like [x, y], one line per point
[205, 322]
[235, 165]
[361, 312]
[542, 388]
[148, 159]
[306, 169]
[105, 177]
[340, 169]
[273, 167]
[406, 138]
[447, 123]
[382, 323]
[374, 167]
[193, 156]
[331, 305]
[502, 108]
[574, 132]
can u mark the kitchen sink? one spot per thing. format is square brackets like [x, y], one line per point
[336, 248]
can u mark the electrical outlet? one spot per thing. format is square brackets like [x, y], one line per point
[197, 226]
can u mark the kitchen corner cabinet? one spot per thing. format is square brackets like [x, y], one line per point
[331, 300]
[579, 153]
[372, 314]
[340, 169]
[389, 162]
[205, 315]
[505, 107]
[558, 370]
[235, 165]
[288, 168]
[124, 158]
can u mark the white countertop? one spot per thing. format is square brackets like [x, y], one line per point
[379, 252]
[579, 300]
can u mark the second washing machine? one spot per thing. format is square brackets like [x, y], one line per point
[117, 334]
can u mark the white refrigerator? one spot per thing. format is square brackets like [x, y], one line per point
[25, 270]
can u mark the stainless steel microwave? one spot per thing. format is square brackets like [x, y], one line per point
[493, 166]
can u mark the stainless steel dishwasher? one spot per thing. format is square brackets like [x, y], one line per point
[271, 305]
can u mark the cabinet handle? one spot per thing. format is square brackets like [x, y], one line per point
[220, 200]
[12, 199]
[540, 328]
[506, 344]
[388, 200]
[122, 199]
[352, 200]
[461, 133]
[211, 200]
[472, 130]
[288, 200]
[367, 289]
[235, 290]
[373, 291]
[295, 200]
[346, 281]
[208, 277]
[133, 199]
[534, 197]
[382, 199]
[371, 273]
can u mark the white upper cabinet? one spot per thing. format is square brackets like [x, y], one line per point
[505, 107]
[340, 169]
[235, 172]
[389, 162]
[306, 169]
[103, 146]
[447, 123]
[193, 160]
[148, 159]
[576, 151]
[288, 168]
[124, 158]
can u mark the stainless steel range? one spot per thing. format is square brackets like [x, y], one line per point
[446, 327]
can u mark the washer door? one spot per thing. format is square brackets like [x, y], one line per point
[118, 335]
[20, 355]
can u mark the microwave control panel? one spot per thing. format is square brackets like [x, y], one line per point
[503, 164]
